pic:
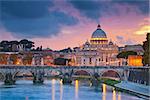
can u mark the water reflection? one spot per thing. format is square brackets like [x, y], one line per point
[61, 89]
[26, 98]
[114, 94]
[104, 92]
[53, 89]
[26, 91]
[119, 96]
[76, 89]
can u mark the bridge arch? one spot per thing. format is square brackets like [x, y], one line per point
[2, 76]
[30, 73]
[82, 72]
[111, 73]
[53, 72]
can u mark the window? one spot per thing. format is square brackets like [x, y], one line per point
[84, 61]
[90, 60]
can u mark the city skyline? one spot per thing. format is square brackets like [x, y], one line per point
[61, 24]
[74, 49]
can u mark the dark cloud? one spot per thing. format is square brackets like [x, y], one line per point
[31, 19]
[142, 5]
[94, 9]
[89, 8]
[25, 9]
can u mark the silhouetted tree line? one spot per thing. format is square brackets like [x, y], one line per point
[146, 47]
[14, 46]
[125, 54]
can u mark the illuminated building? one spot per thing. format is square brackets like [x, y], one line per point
[135, 60]
[98, 52]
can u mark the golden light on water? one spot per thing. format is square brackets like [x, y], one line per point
[104, 92]
[61, 90]
[61, 81]
[104, 88]
[76, 88]
[53, 89]
[119, 96]
[114, 94]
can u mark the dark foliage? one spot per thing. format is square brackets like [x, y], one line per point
[125, 54]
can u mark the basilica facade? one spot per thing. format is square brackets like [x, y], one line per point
[98, 51]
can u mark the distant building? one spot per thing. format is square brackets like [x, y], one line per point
[136, 48]
[98, 52]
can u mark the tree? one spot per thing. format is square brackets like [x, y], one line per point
[27, 44]
[146, 47]
[13, 46]
[10, 46]
[40, 48]
[125, 54]
[5, 45]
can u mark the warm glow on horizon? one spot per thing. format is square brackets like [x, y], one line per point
[143, 30]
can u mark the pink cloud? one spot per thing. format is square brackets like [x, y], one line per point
[123, 25]
[5, 35]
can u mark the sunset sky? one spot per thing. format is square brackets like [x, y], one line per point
[59, 24]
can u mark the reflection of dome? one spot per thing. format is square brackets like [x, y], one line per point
[99, 36]
[99, 33]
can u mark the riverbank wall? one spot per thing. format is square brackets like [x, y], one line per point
[134, 88]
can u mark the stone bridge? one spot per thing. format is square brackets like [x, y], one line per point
[9, 72]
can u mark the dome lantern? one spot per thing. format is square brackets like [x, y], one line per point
[99, 26]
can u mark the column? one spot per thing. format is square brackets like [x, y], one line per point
[38, 77]
[9, 79]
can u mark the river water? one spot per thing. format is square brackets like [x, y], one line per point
[55, 90]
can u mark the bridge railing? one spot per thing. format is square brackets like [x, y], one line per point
[72, 67]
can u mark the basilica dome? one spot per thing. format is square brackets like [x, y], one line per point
[99, 36]
[99, 33]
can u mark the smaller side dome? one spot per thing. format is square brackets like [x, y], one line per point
[87, 43]
[111, 43]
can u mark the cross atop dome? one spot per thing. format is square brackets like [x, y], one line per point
[99, 26]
